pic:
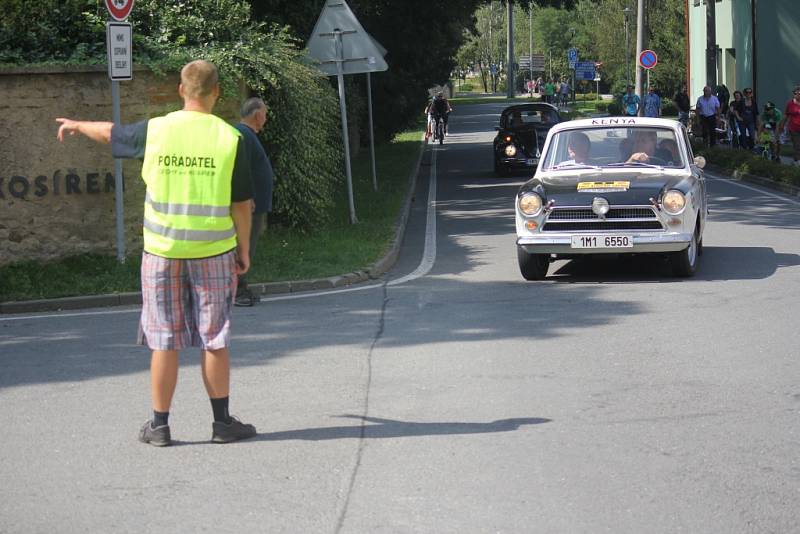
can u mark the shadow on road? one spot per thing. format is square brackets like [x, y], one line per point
[717, 263]
[389, 428]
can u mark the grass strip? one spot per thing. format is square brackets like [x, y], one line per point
[336, 247]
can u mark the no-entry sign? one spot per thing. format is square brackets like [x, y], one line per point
[648, 59]
[119, 9]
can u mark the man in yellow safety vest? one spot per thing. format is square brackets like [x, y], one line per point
[197, 217]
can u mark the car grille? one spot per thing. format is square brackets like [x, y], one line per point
[584, 219]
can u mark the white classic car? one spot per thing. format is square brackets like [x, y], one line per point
[613, 185]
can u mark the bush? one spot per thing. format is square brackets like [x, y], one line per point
[732, 160]
[603, 106]
[668, 108]
[614, 109]
[466, 88]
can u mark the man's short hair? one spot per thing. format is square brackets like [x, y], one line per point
[250, 106]
[199, 78]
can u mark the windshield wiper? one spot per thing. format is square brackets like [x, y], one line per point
[636, 164]
[574, 166]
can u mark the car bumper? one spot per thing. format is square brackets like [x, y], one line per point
[642, 243]
[518, 163]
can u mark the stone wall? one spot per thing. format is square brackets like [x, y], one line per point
[57, 199]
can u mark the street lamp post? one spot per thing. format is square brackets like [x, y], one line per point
[626, 13]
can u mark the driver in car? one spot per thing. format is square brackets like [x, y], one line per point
[578, 148]
[645, 149]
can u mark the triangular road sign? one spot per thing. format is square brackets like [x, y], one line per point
[358, 52]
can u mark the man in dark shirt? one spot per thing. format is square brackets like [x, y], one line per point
[682, 103]
[254, 117]
[196, 241]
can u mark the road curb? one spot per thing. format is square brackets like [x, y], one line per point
[374, 271]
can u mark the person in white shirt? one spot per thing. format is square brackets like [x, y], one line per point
[708, 109]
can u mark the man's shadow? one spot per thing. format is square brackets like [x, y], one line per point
[389, 428]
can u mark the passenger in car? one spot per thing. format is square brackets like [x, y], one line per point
[645, 149]
[671, 147]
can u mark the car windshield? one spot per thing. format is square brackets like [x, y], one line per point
[524, 117]
[638, 146]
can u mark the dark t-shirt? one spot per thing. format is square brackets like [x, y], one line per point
[440, 106]
[128, 141]
[260, 168]
[682, 101]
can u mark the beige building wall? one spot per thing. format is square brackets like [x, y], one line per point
[57, 199]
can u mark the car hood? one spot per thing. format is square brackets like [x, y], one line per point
[640, 187]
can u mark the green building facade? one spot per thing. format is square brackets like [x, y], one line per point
[758, 46]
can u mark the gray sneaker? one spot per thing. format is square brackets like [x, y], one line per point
[233, 431]
[158, 436]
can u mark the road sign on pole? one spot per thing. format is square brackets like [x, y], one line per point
[119, 9]
[119, 44]
[572, 57]
[584, 70]
[342, 46]
[648, 59]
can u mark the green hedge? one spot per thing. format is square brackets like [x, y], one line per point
[745, 161]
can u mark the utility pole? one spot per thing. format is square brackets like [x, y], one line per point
[510, 49]
[711, 45]
[640, 44]
[530, 37]
[627, 13]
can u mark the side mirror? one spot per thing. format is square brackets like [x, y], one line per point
[497, 128]
[700, 161]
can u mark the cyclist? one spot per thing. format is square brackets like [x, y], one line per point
[441, 109]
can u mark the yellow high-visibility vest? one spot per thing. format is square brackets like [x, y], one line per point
[188, 165]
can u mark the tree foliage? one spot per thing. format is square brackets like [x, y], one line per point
[595, 27]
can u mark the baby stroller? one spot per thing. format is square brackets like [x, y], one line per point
[724, 132]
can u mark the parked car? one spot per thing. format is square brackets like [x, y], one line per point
[520, 136]
[614, 185]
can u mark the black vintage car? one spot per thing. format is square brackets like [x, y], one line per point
[520, 136]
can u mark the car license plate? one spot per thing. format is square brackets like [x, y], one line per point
[602, 241]
[531, 162]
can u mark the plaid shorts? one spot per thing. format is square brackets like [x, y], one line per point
[187, 303]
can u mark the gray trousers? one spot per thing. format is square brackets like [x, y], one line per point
[258, 225]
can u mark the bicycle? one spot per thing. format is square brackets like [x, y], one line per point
[438, 129]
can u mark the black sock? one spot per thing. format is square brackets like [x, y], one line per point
[160, 419]
[220, 407]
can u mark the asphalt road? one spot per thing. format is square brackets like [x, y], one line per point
[452, 396]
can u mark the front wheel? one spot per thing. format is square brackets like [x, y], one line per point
[684, 262]
[532, 266]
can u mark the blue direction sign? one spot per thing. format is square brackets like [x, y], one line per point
[584, 70]
[648, 59]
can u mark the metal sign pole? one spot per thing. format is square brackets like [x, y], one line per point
[115, 112]
[343, 111]
[371, 133]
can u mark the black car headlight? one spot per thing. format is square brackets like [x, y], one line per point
[511, 151]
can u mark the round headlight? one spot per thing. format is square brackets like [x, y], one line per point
[600, 206]
[530, 204]
[674, 202]
[511, 151]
